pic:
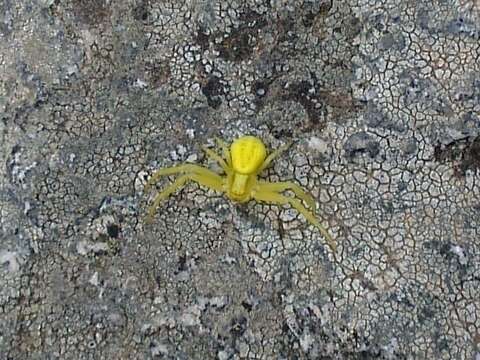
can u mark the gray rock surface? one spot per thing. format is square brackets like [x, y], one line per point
[382, 102]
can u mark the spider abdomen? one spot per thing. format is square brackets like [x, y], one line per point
[248, 154]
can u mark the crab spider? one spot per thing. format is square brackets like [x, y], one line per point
[242, 162]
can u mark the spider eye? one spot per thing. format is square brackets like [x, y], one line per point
[248, 154]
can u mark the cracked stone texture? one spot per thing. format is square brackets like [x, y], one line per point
[382, 101]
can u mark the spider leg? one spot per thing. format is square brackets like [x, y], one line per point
[177, 184]
[273, 155]
[213, 155]
[205, 180]
[226, 152]
[215, 183]
[185, 168]
[276, 198]
[288, 185]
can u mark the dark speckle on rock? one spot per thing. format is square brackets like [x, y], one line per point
[461, 26]
[247, 306]
[113, 230]
[409, 146]
[238, 326]
[386, 42]
[361, 142]
[6, 24]
[402, 186]
[92, 12]
[259, 89]
[475, 152]
[213, 91]
[140, 12]
[377, 119]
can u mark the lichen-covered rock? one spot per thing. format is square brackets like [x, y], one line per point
[381, 99]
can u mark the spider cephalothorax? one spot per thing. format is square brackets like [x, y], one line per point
[242, 163]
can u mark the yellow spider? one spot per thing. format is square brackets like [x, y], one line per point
[242, 163]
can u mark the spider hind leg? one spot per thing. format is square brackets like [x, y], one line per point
[276, 198]
[279, 187]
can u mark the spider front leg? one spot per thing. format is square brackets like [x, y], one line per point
[213, 155]
[225, 151]
[215, 183]
[273, 155]
[279, 187]
[276, 198]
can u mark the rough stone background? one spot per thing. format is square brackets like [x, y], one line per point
[382, 101]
